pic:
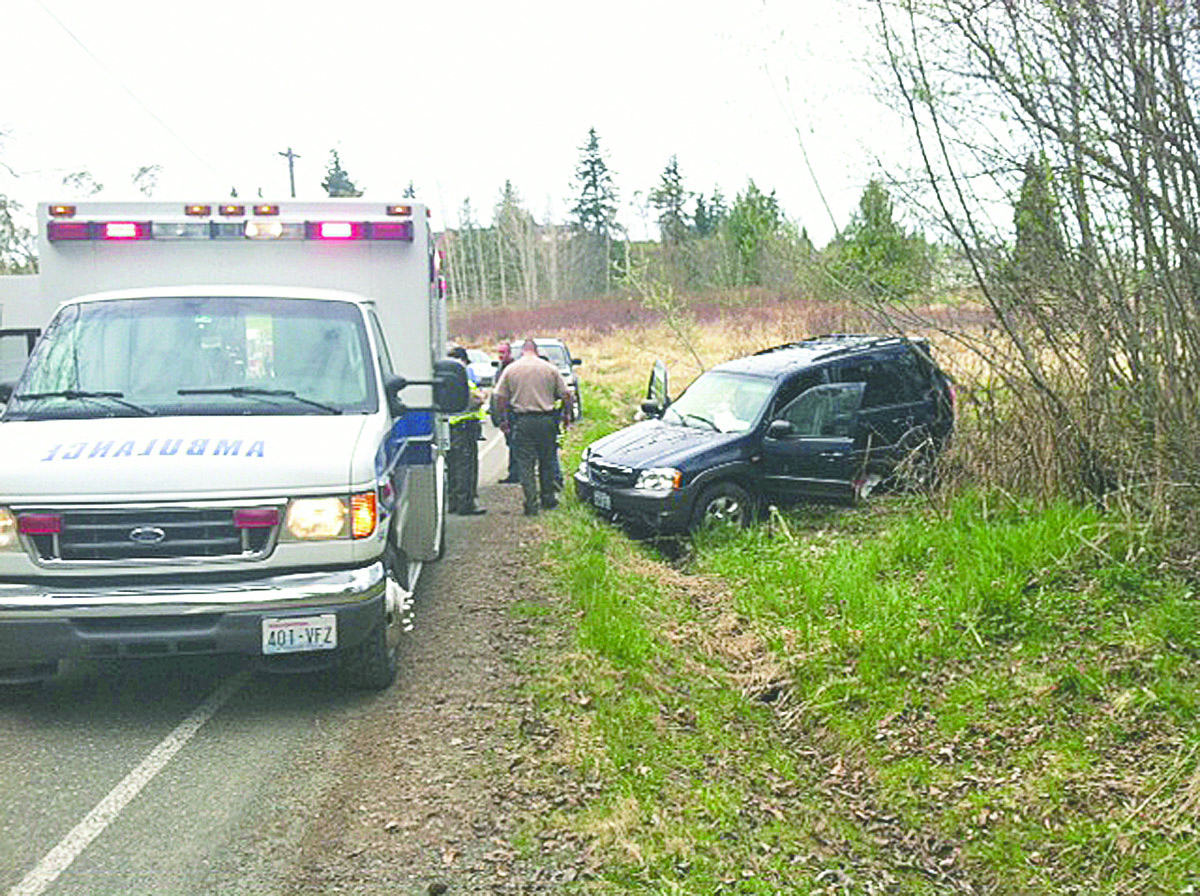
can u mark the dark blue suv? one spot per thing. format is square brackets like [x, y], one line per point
[825, 419]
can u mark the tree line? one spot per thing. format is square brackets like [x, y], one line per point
[705, 242]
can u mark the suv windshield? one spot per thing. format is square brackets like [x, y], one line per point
[724, 402]
[199, 355]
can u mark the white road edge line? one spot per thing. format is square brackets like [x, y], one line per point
[67, 851]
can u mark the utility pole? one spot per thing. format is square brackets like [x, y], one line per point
[291, 157]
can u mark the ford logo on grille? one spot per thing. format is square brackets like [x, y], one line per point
[147, 535]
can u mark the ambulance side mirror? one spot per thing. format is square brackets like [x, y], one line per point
[451, 392]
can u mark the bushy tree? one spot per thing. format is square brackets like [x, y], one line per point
[753, 222]
[1039, 254]
[874, 255]
[337, 182]
[17, 252]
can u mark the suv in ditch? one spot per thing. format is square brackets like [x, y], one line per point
[825, 419]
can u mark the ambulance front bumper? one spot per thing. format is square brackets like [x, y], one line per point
[41, 624]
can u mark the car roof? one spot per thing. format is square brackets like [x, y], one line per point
[790, 357]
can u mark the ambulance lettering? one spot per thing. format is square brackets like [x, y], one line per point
[112, 448]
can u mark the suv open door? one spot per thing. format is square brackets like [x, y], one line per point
[657, 394]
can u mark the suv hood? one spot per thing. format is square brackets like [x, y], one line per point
[139, 458]
[653, 443]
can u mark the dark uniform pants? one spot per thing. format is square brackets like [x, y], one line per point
[535, 436]
[462, 465]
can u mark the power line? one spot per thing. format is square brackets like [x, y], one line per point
[133, 96]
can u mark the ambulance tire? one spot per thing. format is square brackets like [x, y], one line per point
[371, 665]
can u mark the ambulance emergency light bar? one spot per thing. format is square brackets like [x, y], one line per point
[60, 230]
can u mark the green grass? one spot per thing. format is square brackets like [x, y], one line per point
[1000, 696]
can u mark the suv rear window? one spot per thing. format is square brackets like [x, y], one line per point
[898, 379]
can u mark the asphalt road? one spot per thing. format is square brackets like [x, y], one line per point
[176, 777]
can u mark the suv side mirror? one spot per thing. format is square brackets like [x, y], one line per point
[6, 391]
[577, 362]
[652, 408]
[780, 429]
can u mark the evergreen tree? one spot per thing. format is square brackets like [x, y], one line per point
[701, 220]
[874, 254]
[670, 197]
[1039, 250]
[337, 182]
[595, 207]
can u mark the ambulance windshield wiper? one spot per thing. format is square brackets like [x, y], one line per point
[256, 391]
[81, 394]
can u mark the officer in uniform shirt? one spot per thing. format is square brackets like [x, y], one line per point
[528, 390]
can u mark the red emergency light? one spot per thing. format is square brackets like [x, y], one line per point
[390, 230]
[256, 517]
[39, 523]
[69, 230]
[336, 230]
[125, 230]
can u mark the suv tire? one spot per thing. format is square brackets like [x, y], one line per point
[722, 504]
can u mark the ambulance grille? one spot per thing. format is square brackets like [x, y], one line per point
[155, 533]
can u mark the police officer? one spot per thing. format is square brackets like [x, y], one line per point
[529, 388]
[463, 461]
[504, 424]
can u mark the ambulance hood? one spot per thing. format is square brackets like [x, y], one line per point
[180, 458]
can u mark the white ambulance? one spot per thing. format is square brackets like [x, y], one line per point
[229, 438]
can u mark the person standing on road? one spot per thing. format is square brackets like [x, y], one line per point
[462, 464]
[529, 388]
[504, 423]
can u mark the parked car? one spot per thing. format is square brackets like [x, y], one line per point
[480, 368]
[828, 418]
[556, 352]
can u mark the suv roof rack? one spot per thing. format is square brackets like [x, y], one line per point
[849, 342]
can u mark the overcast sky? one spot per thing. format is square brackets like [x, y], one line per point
[454, 95]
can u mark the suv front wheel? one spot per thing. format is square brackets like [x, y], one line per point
[723, 504]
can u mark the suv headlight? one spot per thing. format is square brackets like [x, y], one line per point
[583, 462]
[658, 479]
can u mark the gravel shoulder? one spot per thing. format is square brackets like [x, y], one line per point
[430, 786]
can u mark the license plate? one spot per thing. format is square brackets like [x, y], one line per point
[602, 500]
[295, 634]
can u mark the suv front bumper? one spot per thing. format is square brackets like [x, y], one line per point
[669, 512]
[41, 624]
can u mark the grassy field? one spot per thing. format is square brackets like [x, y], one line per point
[969, 693]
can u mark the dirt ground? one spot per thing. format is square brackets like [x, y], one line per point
[436, 779]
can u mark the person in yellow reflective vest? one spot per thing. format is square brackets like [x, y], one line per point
[462, 463]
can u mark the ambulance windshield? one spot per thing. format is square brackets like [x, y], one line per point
[199, 356]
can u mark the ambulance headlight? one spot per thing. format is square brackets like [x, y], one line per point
[8, 529]
[316, 518]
